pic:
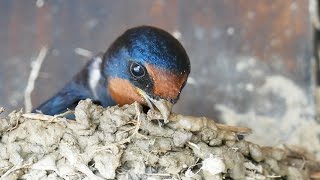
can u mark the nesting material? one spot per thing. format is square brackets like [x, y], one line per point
[125, 143]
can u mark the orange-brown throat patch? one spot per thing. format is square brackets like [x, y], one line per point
[123, 92]
[167, 85]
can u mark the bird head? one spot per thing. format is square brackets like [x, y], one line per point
[147, 65]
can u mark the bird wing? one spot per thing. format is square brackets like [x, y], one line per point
[67, 98]
[86, 84]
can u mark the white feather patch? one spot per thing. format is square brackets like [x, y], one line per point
[94, 75]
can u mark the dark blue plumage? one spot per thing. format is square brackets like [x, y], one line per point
[145, 64]
[78, 88]
[150, 45]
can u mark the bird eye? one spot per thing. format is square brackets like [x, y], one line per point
[137, 70]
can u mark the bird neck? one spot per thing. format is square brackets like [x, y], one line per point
[92, 78]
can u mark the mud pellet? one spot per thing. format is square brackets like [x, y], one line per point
[215, 142]
[195, 139]
[255, 152]
[273, 165]
[278, 154]
[294, 174]
[208, 134]
[181, 137]
[229, 143]
[242, 146]
[227, 136]
[238, 171]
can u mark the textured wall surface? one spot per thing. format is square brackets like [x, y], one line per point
[251, 60]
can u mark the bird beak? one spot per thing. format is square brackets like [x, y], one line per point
[164, 106]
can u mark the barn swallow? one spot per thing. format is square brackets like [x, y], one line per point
[145, 64]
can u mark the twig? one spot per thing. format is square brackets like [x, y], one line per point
[157, 174]
[14, 127]
[62, 115]
[129, 129]
[194, 145]
[199, 122]
[189, 170]
[273, 176]
[83, 52]
[13, 169]
[235, 129]
[43, 117]
[35, 68]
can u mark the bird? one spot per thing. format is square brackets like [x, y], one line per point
[145, 64]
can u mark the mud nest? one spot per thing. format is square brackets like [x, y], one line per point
[125, 143]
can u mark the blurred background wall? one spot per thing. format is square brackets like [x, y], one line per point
[252, 61]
